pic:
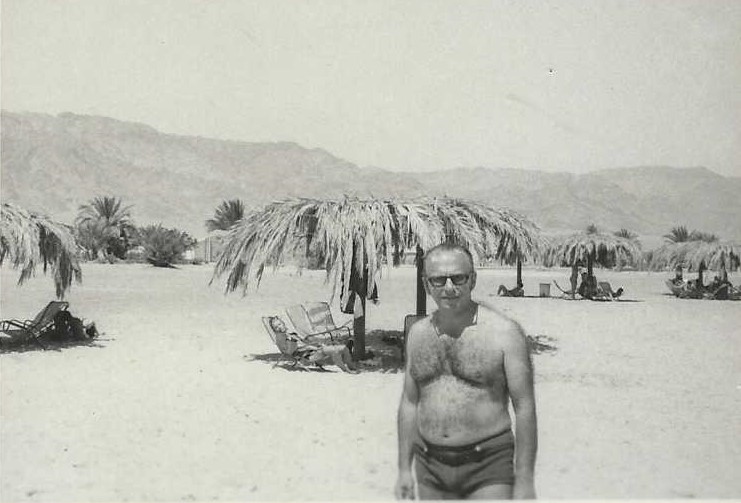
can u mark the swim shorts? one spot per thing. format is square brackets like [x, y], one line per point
[464, 469]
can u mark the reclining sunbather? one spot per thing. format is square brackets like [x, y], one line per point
[517, 291]
[338, 354]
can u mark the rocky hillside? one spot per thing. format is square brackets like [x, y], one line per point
[55, 163]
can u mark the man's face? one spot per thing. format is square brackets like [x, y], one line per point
[449, 280]
[278, 325]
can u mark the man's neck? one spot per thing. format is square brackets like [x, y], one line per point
[453, 322]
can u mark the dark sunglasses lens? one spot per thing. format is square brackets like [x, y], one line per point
[438, 280]
[459, 279]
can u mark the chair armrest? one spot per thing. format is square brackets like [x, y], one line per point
[17, 323]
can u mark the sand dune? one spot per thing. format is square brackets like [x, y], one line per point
[178, 400]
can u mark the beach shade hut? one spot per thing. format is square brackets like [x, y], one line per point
[357, 237]
[28, 241]
[697, 255]
[522, 241]
[585, 247]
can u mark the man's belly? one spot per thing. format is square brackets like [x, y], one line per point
[452, 411]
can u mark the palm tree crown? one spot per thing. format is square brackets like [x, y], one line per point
[227, 214]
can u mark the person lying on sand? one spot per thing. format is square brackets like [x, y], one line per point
[338, 354]
[517, 291]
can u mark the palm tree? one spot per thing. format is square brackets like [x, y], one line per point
[359, 237]
[104, 223]
[28, 240]
[678, 234]
[227, 214]
[703, 236]
[681, 235]
[625, 233]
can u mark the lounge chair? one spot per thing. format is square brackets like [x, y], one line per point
[721, 292]
[409, 320]
[313, 321]
[20, 330]
[605, 288]
[288, 347]
[675, 288]
[566, 293]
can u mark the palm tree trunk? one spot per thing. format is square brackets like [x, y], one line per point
[700, 271]
[519, 271]
[590, 265]
[421, 294]
[574, 279]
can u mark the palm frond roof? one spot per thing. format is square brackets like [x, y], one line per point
[28, 241]
[581, 245]
[366, 233]
[693, 253]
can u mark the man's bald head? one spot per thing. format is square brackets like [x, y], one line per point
[447, 248]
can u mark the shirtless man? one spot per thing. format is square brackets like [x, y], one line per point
[465, 363]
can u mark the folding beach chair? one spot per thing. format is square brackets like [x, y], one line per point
[313, 320]
[19, 330]
[288, 347]
[606, 289]
[675, 288]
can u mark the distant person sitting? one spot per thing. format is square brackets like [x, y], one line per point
[517, 291]
[588, 287]
[338, 354]
[678, 279]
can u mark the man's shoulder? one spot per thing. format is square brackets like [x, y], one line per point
[421, 327]
[490, 316]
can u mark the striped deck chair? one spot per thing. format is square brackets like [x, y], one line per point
[606, 288]
[314, 322]
[20, 330]
[288, 347]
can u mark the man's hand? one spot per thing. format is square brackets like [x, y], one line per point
[404, 486]
[523, 491]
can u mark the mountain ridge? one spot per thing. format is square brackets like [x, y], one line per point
[54, 164]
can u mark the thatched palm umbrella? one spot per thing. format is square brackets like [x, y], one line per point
[358, 237]
[527, 244]
[28, 240]
[585, 247]
[697, 255]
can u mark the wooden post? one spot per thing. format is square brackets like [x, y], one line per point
[421, 293]
[358, 325]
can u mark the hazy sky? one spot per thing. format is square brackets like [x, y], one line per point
[568, 85]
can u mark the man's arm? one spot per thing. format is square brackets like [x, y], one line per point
[407, 430]
[519, 374]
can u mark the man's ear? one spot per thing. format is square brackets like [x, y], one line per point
[426, 285]
[473, 280]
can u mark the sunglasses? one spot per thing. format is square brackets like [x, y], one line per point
[457, 279]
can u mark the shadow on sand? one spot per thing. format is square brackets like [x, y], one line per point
[383, 348]
[48, 345]
[383, 354]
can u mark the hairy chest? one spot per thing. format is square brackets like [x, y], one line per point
[471, 357]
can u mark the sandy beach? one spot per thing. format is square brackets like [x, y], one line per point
[178, 399]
